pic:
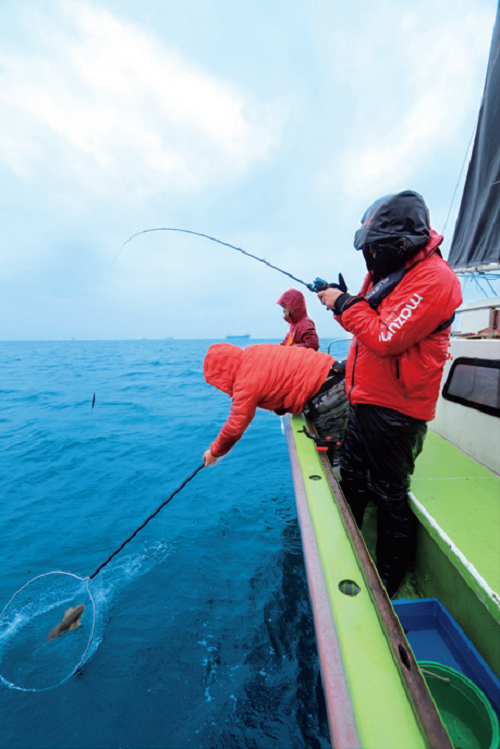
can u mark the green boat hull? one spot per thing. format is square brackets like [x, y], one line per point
[375, 694]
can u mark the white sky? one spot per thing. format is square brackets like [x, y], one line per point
[269, 125]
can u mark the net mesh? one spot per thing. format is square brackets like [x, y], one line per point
[27, 660]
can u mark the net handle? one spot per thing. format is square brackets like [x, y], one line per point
[189, 478]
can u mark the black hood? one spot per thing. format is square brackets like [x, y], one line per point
[396, 227]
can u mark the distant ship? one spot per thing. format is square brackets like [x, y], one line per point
[238, 337]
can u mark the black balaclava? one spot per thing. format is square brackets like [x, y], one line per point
[396, 227]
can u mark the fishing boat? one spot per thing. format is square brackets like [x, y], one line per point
[238, 337]
[381, 660]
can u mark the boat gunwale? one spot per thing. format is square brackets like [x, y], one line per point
[342, 723]
[420, 701]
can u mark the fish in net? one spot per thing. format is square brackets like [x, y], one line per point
[47, 627]
[29, 660]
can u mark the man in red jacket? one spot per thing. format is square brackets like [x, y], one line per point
[401, 322]
[287, 379]
[302, 329]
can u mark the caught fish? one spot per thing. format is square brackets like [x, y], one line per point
[71, 620]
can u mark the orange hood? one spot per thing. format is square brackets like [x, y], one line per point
[221, 365]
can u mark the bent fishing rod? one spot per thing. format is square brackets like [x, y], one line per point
[318, 284]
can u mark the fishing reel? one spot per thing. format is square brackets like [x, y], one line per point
[320, 285]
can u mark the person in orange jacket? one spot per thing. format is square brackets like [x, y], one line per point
[285, 379]
[302, 329]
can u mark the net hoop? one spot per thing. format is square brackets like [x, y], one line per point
[86, 580]
[91, 637]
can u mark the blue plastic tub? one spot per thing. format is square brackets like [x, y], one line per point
[435, 636]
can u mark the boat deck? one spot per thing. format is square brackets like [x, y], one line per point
[457, 502]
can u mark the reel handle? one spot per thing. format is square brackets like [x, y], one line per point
[320, 285]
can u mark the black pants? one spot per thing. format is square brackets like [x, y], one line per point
[378, 457]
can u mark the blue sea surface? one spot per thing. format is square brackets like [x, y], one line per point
[204, 634]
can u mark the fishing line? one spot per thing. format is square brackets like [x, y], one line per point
[28, 660]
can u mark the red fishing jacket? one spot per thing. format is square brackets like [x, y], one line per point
[396, 358]
[262, 376]
[302, 329]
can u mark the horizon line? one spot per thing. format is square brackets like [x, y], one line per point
[113, 340]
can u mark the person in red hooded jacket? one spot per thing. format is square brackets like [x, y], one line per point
[302, 329]
[401, 322]
[287, 379]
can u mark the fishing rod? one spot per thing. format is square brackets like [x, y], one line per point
[318, 284]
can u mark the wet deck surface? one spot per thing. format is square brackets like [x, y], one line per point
[463, 497]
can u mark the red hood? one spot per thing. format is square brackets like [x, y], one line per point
[221, 364]
[433, 243]
[294, 301]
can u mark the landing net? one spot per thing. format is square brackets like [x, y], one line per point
[28, 661]
[47, 627]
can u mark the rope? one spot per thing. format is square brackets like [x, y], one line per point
[486, 87]
[147, 521]
[212, 239]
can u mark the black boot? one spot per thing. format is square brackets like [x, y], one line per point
[393, 554]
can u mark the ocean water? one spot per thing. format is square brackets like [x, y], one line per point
[204, 634]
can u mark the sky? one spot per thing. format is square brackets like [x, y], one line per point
[270, 125]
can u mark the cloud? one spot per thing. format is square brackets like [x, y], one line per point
[93, 97]
[422, 69]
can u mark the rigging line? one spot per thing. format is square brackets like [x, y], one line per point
[212, 239]
[146, 521]
[459, 176]
[490, 285]
[477, 277]
[480, 287]
[486, 87]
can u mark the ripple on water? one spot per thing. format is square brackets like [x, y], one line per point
[203, 629]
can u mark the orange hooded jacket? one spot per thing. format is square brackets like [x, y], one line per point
[262, 376]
